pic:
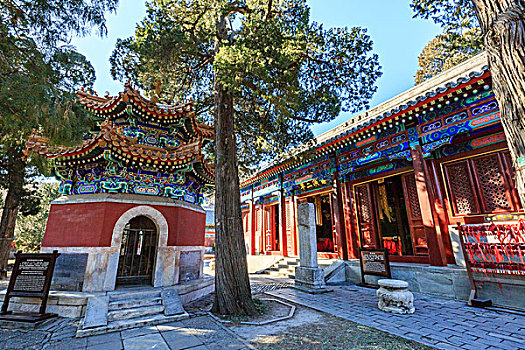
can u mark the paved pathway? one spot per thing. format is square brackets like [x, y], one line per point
[442, 323]
[197, 333]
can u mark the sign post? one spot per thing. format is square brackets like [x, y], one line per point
[373, 262]
[31, 278]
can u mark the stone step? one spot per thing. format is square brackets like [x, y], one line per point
[126, 314]
[133, 303]
[117, 326]
[278, 274]
[116, 296]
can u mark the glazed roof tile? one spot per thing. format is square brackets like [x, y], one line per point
[425, 92]
[111, 137]
[108, 104]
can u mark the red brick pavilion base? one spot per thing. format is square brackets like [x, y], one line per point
[92, 227]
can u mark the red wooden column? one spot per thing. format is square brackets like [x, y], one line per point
[352, 234]
[283, 245]
[253, 223]
[436, 248]
[294, 226]
[338, 218]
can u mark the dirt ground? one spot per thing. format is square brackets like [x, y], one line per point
[313, 330]
[310, 330]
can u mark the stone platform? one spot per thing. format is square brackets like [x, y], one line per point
[73, 304]
[448, 282]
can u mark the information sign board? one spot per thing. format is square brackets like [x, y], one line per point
[374, 262]
[31, 277]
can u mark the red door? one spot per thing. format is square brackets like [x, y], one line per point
[259, 237]
[415, 220]
[268, 228]
[365, 216]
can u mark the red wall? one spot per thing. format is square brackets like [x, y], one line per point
[91, 224]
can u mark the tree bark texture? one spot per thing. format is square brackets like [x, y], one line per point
[232, 286]
[16, 169]
[503, 26]
[233, 295]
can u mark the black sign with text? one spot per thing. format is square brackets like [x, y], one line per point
[374, 262]
[31, 277]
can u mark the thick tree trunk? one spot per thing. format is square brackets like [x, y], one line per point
[233, 295]
[503, 25]
[232, 285]
[15, 187]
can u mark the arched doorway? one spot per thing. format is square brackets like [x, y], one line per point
[137, 252]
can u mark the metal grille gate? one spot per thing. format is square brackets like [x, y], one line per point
[137, 252]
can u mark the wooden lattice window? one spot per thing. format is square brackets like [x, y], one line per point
[289, 215]
[363, 200]
[461, 188]
[481, 185]
[411, 189]
[492, 184]
[365, 216]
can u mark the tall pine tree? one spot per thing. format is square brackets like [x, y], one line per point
[264, 72]
[39, 73]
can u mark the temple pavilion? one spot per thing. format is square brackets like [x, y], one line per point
[397, 177]
[130, 211]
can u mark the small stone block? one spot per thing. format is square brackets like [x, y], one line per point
[310, 277]
[172, 303]
[394, 297]
[96, 312]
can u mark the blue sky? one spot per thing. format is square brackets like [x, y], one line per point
[398, 40]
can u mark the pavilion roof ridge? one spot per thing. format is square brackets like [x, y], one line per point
[90, 99]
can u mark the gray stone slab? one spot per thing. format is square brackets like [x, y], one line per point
[69, 271]
[106, 346]
[190, 265]
[103, 338]
[145, 342]
[307, 235]
[70, 344]
[96, 312]
[181, 339]
[169, 326]
[172, 303]
[136, 332]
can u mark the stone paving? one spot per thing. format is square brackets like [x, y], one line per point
[441, 323]
[197, 333]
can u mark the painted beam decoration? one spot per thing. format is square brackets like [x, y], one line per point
[137, 147]
[460, 117]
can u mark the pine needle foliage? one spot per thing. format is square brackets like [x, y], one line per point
[461, 38]
[285, 71]
[39, 74]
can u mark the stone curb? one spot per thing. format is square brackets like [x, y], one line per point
[232, 333]
[262, 323]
